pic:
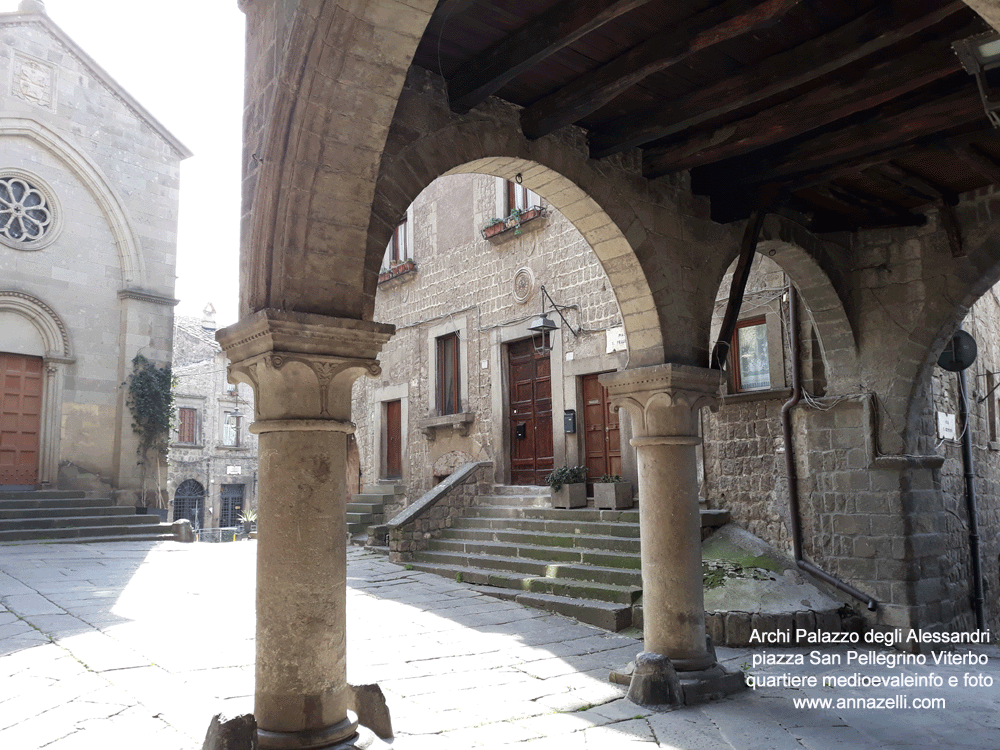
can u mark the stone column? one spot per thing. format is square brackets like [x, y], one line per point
[301, 367]
[663, 402]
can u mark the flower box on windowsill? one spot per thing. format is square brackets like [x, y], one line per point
[397, 270]
[512, 222]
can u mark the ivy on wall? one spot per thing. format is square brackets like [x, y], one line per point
[150, 399]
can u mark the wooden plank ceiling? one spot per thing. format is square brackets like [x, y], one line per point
[851, 113]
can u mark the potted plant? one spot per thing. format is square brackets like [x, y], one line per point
[248, 517]
[568, 487]
[611, 492]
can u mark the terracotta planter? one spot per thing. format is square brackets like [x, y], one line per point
[570, 496]
[397, 270]
[612, 495]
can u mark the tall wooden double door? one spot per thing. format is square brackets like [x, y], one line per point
[602, 437]
[530, 381]
[20, 418]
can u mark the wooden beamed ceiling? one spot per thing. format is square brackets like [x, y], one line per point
[854, 113]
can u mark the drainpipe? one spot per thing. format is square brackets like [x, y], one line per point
[790, 470]
[970, 502]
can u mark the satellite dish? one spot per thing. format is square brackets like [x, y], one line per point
[960, 352]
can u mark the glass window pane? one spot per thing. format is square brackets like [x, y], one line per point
[752, 352]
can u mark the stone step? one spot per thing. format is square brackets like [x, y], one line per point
[364, 507]
[488, 510]
[64, 511]
[607, 615]
[74, 500]
[549, 556]
[362, 518]
[164, 536]
[546, 526]
[502, 576]
[23, 494]
[56, 522]
[382, 490]
[107, 533]
[524, 490]
[542, 538]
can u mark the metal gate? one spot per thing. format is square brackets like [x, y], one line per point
[232, 505]
[189, 503]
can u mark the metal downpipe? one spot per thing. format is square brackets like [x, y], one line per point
[970, 503]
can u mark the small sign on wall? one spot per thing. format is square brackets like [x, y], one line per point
[946, 426]
[234, 469]
[617, 342]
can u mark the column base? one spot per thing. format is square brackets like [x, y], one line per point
[345, 734]
[656, 684]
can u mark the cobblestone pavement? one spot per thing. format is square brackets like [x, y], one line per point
[138, 645]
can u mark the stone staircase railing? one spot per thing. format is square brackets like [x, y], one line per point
[411, 530]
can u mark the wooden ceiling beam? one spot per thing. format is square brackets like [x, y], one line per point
[979, 160]
[564, 23]
[821, 158]
[917, 185]
[885, 82]
[593, 90]
[795, 68]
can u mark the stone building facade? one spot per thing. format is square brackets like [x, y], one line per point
[89, 184]
[455, 375]
[212, 476]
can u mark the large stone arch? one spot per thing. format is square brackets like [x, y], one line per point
[327, 76]
[57, 354]
[609, 202]
[133, 269]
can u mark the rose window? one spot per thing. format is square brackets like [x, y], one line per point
[25, 214]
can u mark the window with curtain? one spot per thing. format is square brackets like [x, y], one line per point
[449, 397]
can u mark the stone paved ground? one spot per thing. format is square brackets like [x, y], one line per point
[138, 645]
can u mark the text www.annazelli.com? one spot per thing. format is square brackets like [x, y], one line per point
[894, 703]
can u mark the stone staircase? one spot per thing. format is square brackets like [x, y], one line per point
[366, 512]
[66, 516]
[583, 563]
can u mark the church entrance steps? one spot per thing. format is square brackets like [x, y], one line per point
[65, 516]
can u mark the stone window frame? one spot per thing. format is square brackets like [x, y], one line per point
[402, 234]
[236, 430]
[52, 203]
[458, 325]
[193, 424]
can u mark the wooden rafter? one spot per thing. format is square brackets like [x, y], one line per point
[798, 67]
[875, 140]
[564, 23]
[595, 89]
[978, 160]
[885, 82]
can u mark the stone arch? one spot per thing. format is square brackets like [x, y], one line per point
[93, 178]
[800, 255]
[947, 306]
[43, 318]
[599, 200]
[189, 502]
[57, 354]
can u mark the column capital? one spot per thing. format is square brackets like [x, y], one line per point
[663, 400]
[301, 366]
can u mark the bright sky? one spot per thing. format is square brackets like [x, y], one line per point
[183, 61]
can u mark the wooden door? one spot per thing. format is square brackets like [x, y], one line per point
[20, 418]
[530, 381]
[393, 439]
[602, 437]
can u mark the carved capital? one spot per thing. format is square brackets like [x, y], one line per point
[302, 366]
[663, 400]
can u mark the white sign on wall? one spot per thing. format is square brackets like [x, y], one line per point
[617, 342]
[234, 469]
[946, 426]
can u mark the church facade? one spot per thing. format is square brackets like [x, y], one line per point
[89, 185]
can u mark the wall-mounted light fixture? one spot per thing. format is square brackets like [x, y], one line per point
[980, 55]
[544, 325]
